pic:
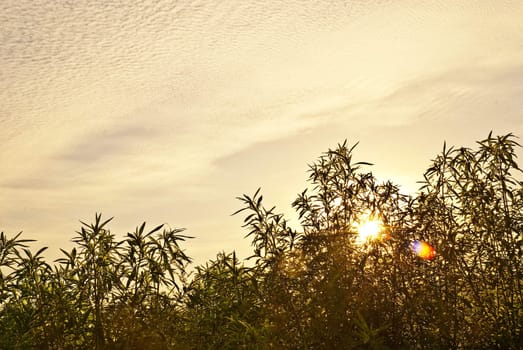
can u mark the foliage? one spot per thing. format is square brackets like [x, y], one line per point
[223, 307]
[326, 290]
[316, 287]
[103, 294]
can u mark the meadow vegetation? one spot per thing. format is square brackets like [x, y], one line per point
[312, 287]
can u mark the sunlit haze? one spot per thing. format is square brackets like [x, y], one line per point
[368, 229]
[165, 111]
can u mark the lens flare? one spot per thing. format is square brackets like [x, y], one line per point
[423, 250]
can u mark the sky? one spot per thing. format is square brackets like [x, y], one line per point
[165, 111]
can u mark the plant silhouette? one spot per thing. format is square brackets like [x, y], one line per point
[317, 286]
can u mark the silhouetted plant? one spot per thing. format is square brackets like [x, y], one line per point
[224, 306]
[318, 287]
[151, 270]
[103, 294]
[323, 286]
[471, 207]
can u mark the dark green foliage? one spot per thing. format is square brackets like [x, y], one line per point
[103, 294]
[223, 307]
[323, 290]
[471, 206]
[316, 287]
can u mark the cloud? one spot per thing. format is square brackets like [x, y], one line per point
[114, 104]
[112, 143]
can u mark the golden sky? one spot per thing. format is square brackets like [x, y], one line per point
[164, 111]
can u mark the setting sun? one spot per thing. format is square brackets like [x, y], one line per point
[368, 229]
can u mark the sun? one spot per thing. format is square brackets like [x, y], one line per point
[369, 229]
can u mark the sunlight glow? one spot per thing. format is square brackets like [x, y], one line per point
[369, 229]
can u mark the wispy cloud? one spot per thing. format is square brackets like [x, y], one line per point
[113, 104]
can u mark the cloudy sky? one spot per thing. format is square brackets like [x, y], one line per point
[164, 111]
